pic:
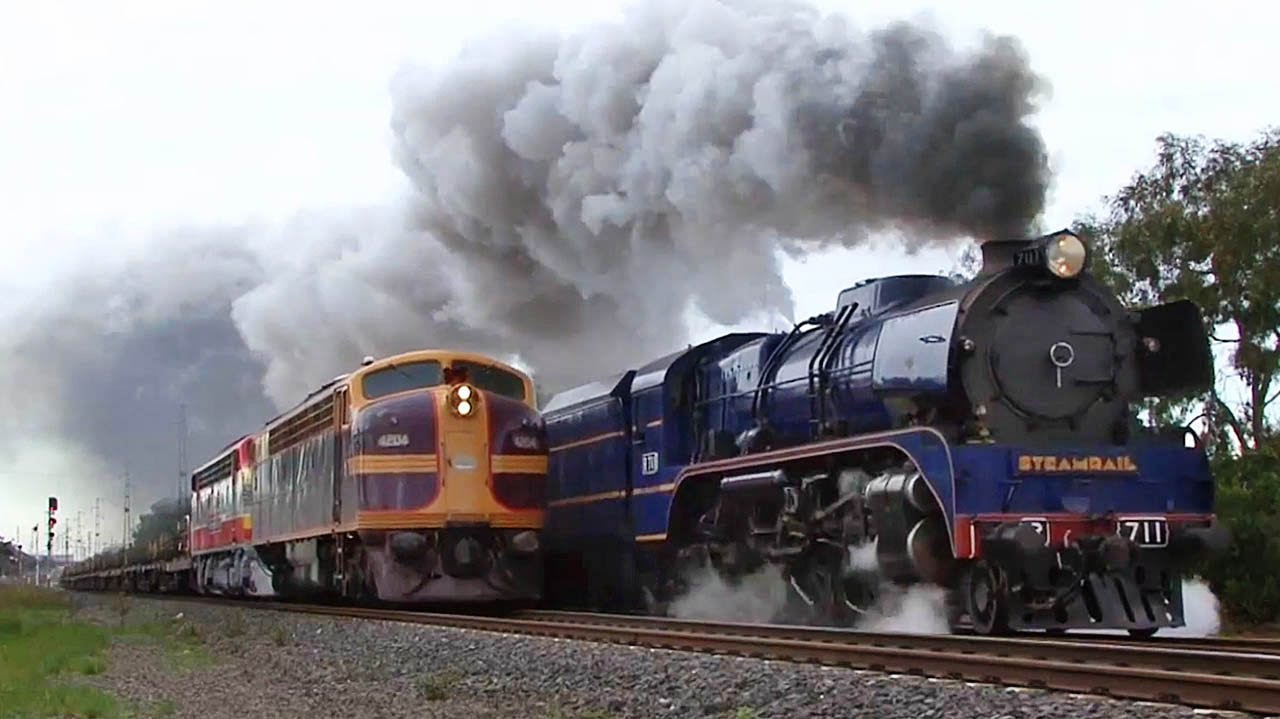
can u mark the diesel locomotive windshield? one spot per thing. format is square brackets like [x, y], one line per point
[397, 378]
[402, 378]
[491, 379]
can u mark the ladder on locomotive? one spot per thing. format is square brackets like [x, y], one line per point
[832, 327]
[819, 370]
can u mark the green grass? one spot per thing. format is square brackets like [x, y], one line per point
[42, 644]
[39, 643]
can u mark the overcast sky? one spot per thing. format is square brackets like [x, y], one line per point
[118, 117]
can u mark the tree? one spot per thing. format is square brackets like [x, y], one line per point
[162, 521]
[1203, 224]
[1248, 500]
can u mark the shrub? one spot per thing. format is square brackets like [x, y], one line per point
[1246, 578]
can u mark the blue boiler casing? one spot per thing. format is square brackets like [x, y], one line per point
[1001, 405]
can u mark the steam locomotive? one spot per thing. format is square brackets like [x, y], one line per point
[978, 436]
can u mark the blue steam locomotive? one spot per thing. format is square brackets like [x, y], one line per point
[979, 436]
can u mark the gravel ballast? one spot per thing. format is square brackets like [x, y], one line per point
[258, 663]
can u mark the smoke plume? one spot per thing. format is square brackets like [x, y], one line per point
[572, 199]
[105, 359]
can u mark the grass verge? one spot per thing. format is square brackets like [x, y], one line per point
[40, 641]
[43, 643]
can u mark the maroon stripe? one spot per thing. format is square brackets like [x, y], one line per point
[405, 424]
[398, 490]
[513, 425]
[520, 491]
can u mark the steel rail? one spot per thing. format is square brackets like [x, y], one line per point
[1085, 645]
[1178, 676]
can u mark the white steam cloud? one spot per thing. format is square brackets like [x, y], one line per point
[762, 597]
[757, 598]
[572, 198]
[1200, 611]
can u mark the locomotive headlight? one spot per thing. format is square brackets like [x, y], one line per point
[1065, 256]
[462, 399]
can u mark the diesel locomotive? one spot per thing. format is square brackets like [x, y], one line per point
[417, 478]
[981, 436]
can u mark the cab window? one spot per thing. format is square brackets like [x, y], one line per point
[401, 378]
[492, 379]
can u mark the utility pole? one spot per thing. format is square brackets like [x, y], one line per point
[35, 550]
[125, 537]
[97, 515]
[17, 537]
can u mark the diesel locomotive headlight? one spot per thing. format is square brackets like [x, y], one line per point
[1065, 256]
[462, 399]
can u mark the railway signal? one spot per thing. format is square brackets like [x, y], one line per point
[53, 507]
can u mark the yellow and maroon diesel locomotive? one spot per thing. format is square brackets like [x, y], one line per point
[415, 478]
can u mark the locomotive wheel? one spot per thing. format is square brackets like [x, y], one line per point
[985, 599]
[838, 597]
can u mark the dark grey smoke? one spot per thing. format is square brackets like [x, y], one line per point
[576, 196]
[572, 199]
[104, 359]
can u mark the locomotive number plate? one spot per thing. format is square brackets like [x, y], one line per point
[1144, 531]
[649, 463]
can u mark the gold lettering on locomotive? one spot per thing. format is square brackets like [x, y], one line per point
[1050, 464]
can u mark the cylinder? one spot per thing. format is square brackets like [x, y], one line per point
[930, 550]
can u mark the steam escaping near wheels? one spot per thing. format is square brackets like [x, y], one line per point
[757, 598]
[762, 597]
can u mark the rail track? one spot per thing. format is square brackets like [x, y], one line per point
[1203, 644]
[1210, 673]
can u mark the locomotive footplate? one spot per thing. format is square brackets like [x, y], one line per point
[1105, 581]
